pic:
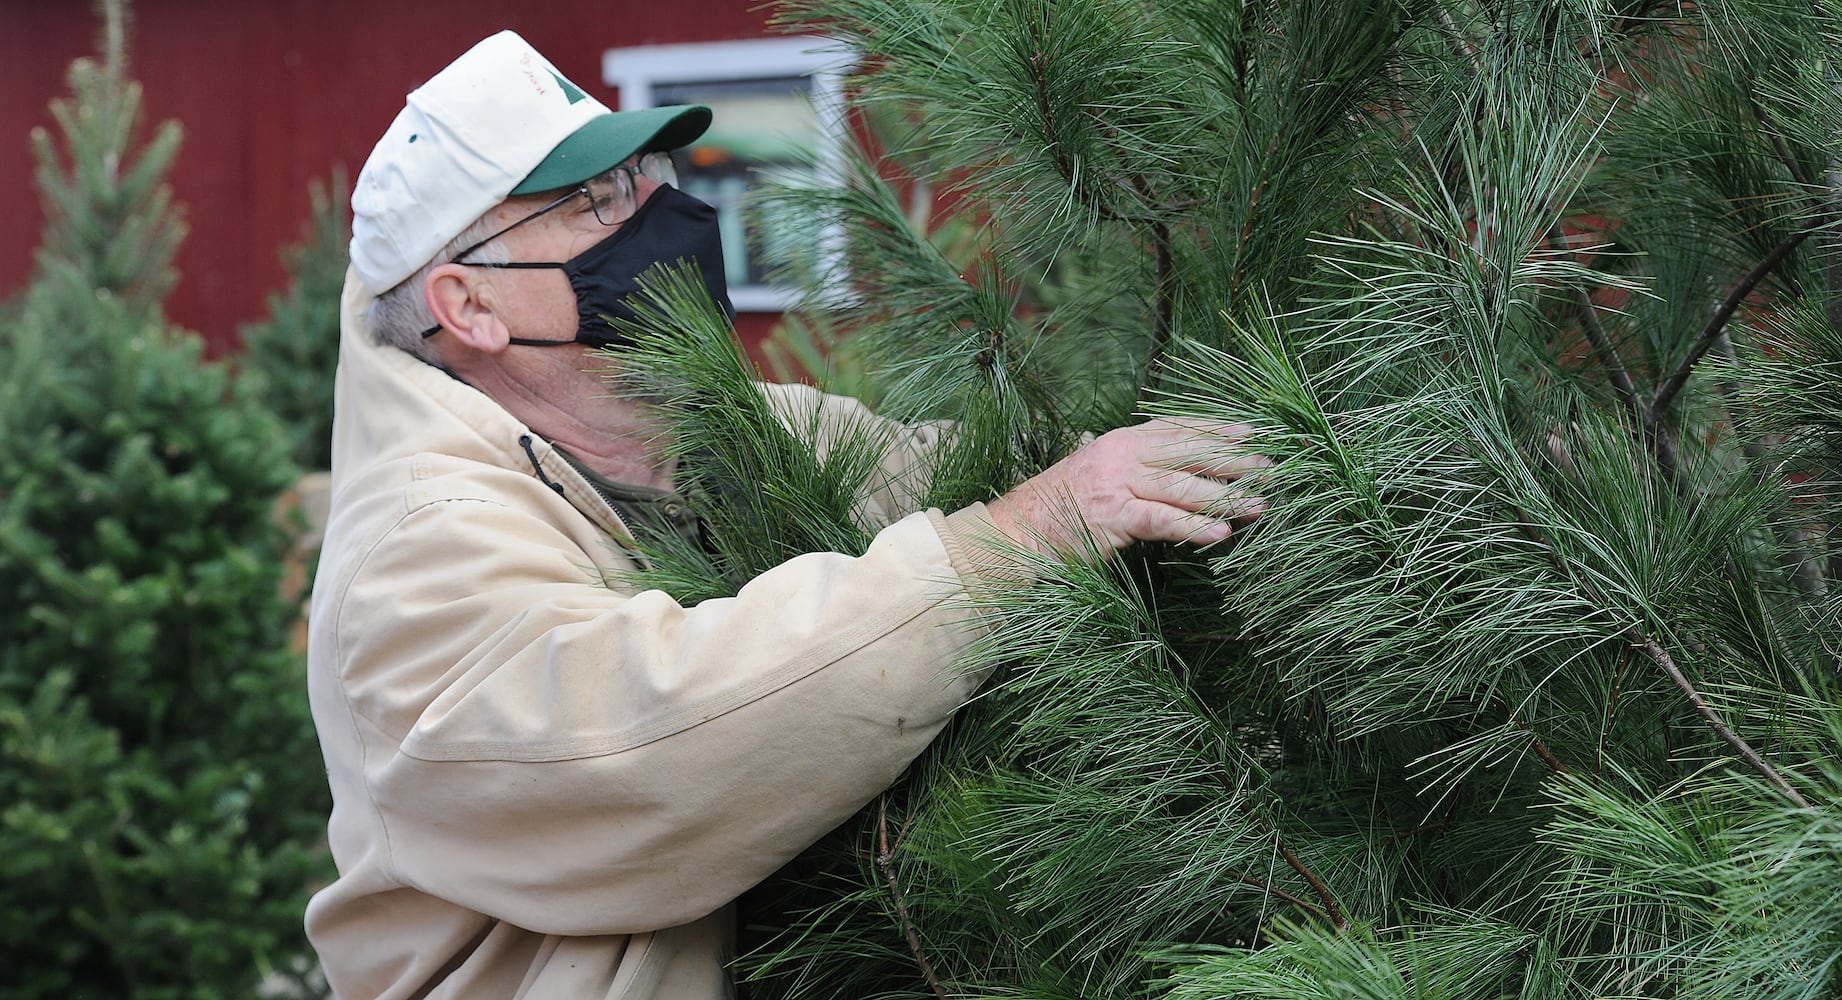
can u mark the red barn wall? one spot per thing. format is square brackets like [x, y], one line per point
[275, 94]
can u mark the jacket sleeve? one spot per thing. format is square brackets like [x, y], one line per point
[575, 760]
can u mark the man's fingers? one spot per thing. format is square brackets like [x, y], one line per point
[1229, 466]
[1204, 447]
[1194, 427]
[1164, 480]
[1200, 529]
[1149, 520]
[1201, 515]
[1199, 493]
[1240, 505]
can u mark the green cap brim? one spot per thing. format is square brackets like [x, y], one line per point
[608, 140]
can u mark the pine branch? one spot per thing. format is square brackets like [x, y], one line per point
[1161, 317]
[1331, 911]
[1794, 553]
[1541, 749]
[1794, 168]
[1608, 356]
[1611, 710]
[1660, 440]
[885, 862]
[1039, 75]
[1039, 63]
[1603, 348]
[1661, 658]
[1661, 402]
[1165, 282]
[1253, 205]
[1270, 888]
[1317, 884]
[1661, 446]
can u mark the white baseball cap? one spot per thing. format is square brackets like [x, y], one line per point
[498, 121]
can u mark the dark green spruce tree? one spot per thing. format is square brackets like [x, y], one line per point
[162, 799]
[1526, 685]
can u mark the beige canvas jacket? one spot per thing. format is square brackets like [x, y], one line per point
[545, 787]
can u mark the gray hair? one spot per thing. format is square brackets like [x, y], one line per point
[398, 317]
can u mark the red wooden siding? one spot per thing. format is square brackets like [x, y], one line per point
[274, 94]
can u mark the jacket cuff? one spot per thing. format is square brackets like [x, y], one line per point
[984, 556]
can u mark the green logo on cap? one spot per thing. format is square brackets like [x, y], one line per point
[570, 90]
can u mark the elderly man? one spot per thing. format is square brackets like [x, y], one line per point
[545, 786]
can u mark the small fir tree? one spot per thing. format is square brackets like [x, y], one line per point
[1526, 684]
[161, 796]
[289, 358]
[111, 226]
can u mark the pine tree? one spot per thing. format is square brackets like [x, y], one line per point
[162, 801]
[1527, 683]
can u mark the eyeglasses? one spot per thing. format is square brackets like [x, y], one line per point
[612, 196]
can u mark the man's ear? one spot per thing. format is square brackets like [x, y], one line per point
[464, 306]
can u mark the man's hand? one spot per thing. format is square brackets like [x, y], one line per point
[1163, 480]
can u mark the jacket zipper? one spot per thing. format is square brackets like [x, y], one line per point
[524, 441]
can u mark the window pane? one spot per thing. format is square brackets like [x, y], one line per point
[758, 123]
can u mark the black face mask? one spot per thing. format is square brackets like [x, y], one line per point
[669, 227]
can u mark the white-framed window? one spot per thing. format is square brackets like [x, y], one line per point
[776, 101]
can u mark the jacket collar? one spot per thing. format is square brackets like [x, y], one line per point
[389, 405]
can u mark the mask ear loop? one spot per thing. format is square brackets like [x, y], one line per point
[624, 230]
